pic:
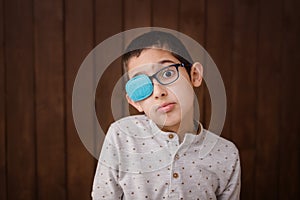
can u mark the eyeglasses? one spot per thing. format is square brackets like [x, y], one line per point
[141, 86]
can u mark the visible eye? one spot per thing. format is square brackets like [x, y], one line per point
[168, 73]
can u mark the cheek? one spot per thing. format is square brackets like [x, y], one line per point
[184, 93]
[148, 106]
[150, 110]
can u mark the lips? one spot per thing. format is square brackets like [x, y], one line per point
[166, 107]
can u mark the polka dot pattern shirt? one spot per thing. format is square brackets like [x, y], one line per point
[139, 161]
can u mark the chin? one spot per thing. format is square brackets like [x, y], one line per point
[165, 121]
[169, 119]
[172, 122]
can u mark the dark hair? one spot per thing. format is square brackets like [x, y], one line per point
[160, 40]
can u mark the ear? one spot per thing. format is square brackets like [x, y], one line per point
[136, 105]
[196, 74]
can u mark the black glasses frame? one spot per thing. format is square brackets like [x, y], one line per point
[173, 65]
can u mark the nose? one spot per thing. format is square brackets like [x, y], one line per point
[159, 90]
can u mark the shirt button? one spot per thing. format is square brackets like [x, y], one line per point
[171, 136]
[176, 156]
[175, 175]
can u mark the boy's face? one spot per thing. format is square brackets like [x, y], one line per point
[168, 105]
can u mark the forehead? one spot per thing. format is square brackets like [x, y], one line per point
[149, 56]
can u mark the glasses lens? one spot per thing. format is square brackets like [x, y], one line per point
[167, 75]
[139, 87]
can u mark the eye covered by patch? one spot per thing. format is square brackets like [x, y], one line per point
[139, 87]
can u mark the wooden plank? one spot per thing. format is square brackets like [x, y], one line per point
[3, 164]
[104, 18]
[113, 73]
[268, 99]
[192, 23]
[166, 18]
[104, 96]
[20, 128]
[79, 40]
[244, 92]
[289, 175]
[137, 13]
[219, 36]
[192, 19]
[49, 68]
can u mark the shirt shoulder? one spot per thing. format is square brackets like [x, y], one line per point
[216, 145]
[138, 126]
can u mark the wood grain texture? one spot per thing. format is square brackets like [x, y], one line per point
[50, 116]
[3, 165]
[166, 18]
[219, 45]
[106, 26]
[268, 99]
[137, 13]
[79, 41]
[244, 89]
[289, 175]
[20, 107]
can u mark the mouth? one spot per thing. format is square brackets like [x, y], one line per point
[166, 107]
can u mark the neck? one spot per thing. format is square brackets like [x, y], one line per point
[186, 126]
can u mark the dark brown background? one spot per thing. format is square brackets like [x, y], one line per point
[255, 44]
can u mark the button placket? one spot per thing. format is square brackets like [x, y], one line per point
[175, 175]
[172, 143]
[173, 191]
[175, 179]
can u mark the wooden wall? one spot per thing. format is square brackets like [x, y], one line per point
[255, 44]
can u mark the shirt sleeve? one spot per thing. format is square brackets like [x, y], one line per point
[232, 190]
[106, 180]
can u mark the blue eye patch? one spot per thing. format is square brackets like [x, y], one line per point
[139, 87]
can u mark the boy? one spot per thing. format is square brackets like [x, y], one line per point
[158, 155]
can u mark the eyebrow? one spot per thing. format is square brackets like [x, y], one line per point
[138, 73]
[160, 62]
[166, 61]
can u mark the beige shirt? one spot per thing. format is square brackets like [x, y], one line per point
[139, 161]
